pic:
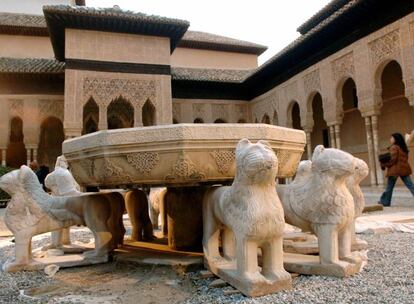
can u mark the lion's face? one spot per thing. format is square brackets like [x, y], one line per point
[333, 162]
[10, 182]
[257, 162]
[361, 169]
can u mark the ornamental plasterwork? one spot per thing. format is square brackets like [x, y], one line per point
[241, 112]
[385, 46]
[224, 159]
[343, 66]
[199, 111]
[312, 82]
[16, 108]
[49, 108]
[144, 162]
[176, 108]
[291, 91]
[185, 169]
[220, 111]
[104, 90]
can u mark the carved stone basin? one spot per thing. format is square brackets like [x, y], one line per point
[174, 155]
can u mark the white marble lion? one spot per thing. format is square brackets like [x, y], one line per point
[250, 209]
[31, 211]
[318, 200]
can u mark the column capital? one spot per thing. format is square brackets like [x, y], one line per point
[73, 132]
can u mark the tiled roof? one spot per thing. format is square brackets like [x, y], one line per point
[213, 75]
[59, 17]
[22, 24]
[196, 39]
[322, 14]
[30, 66]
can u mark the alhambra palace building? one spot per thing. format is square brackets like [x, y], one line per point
[65, 71]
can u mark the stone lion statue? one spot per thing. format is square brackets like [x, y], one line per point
[319, 201]
[248, 212]
[61, 183]
[353, 184]
[31, 211]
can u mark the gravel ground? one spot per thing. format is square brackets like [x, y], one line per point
[388, 278]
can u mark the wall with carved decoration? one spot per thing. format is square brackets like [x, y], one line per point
[209, 111]
[104, 87]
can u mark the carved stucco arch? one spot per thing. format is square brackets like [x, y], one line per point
[105, 90]
[289, 109]
[377, 80]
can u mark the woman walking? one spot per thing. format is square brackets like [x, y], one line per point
[397, 166]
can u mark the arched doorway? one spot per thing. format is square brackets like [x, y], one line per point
[396, 113]
[295, 121]
[16, 151]
[148, 114]
[90, 117]
[219, 120]
[275, 120]
[175, 121]
[198, 120]
[353, 134]
[266, 119]
[120, 114]
[320, 132]
[50, 143]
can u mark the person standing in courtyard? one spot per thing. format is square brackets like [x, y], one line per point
[396, 165]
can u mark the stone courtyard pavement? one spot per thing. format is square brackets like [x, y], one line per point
[388, 278]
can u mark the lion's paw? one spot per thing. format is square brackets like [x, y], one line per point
[278, 275]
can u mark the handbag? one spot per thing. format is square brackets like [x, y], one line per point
[384, 158]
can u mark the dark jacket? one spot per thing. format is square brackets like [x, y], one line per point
[398, 164]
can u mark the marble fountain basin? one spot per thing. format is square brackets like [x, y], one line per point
[174, 155]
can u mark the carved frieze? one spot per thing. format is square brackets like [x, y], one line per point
[49, 108]
[220, 111]
[144, 162]
[16, 108]
[312, 82]
[343, 66]
[385, 46]
[199, 110]
[185, 169]
[104, 90]
[224, 159]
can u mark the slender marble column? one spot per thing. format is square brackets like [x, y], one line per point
[3, 157]
[380, 177]
[28, 155]
[332, 136]
[309, 144]
[103, 118]
[338, 136]
[368, 130]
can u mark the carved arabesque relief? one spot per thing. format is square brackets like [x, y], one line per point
[343, 66]
[224, 159]
[104, 90]
[185, 169]
[312, 82]
[199, 111]
[385, 46]
[49, 108]
[16, 108]
[220, 111]
[144, 162]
